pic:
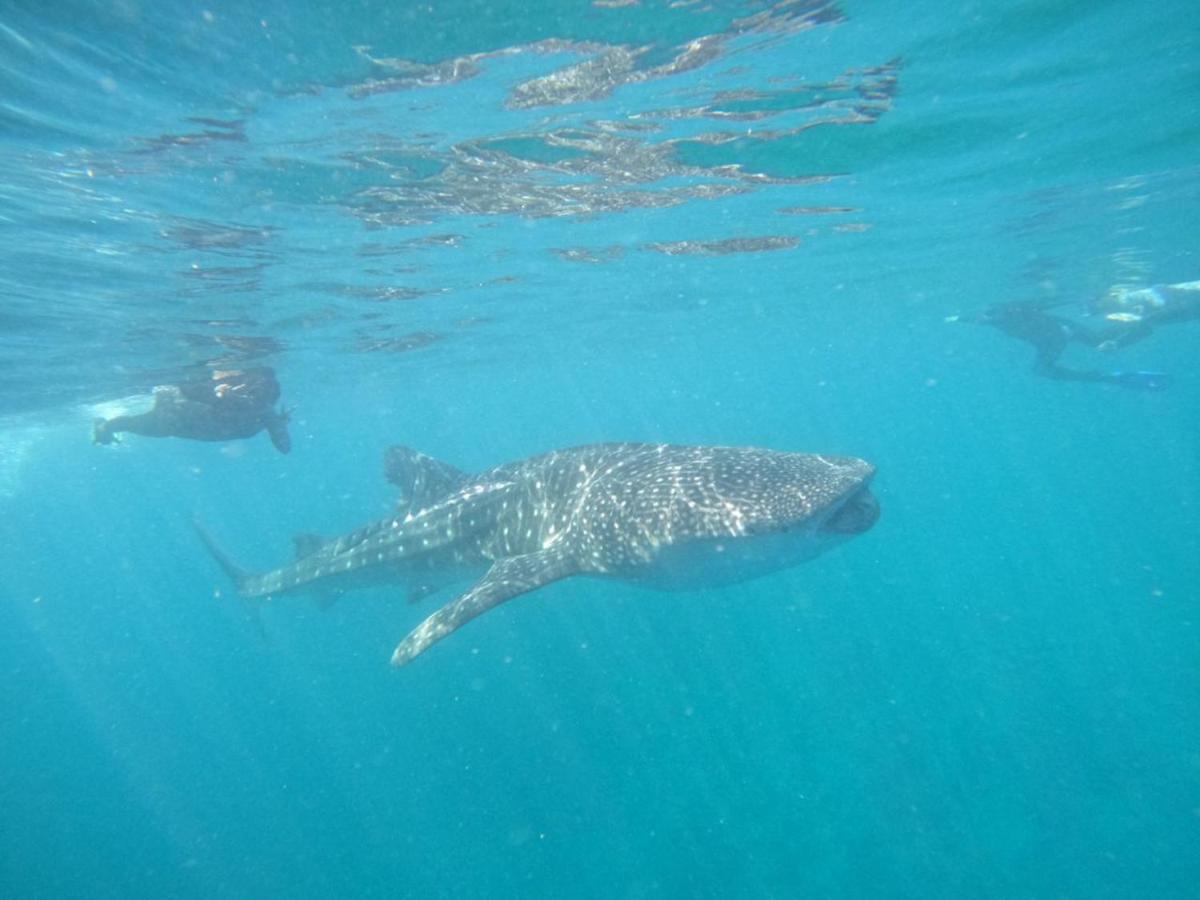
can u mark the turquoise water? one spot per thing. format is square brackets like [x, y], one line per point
[729, 223]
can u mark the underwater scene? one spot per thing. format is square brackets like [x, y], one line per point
[600, 448]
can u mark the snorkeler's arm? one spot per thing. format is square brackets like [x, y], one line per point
[1122, 334]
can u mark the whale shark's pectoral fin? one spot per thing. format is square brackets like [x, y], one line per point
[325, 598]
[507, 578]
[418, 592]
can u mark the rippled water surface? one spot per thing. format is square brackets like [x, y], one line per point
[487, 231]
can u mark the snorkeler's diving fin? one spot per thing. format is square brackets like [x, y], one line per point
[1142, 381]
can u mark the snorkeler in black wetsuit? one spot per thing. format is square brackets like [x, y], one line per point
[1132, 314]
[231, 404]
[1050, 335]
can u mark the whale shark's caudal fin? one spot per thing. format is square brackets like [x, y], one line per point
[236, 573]
[507, 578]
[422, 479]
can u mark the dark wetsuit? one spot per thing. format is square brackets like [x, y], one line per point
[1050, 335]
[228, 406]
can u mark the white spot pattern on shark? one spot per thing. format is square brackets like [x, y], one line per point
[668, 516]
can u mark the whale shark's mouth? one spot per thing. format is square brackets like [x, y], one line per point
[856, 515]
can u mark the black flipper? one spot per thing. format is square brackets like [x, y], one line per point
[422, 479]
[507, 578]
[277, 428]
[1141, 381]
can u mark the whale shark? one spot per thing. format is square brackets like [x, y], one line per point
[667, 516]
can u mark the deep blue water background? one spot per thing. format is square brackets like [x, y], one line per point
[994, 693]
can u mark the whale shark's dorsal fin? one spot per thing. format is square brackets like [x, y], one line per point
[307, 544]
[422, 480]
[507, 578]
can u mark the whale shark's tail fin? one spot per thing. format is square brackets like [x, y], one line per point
[236, 573]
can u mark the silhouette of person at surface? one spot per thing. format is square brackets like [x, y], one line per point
[1131, 314]
[230, 404]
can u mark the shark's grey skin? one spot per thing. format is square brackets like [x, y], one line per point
[668, 516]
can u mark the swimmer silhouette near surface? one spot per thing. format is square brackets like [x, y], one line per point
[231, 404]
[1130, 316]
